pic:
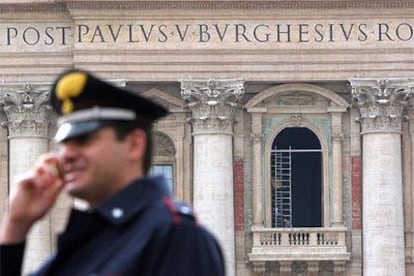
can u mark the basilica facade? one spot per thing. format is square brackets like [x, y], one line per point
[291, 125]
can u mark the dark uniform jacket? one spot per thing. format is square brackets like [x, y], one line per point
[138, 231]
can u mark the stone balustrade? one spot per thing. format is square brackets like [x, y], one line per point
[307, 250]
[283, 244]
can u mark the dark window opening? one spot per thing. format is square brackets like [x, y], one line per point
[296, 179]
[167, 171]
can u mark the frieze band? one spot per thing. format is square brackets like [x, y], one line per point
[270, 32]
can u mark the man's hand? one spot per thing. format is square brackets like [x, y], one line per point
[34, 194]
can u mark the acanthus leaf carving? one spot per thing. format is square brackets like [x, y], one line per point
[213, 101]
[26, 108]
[381, 102]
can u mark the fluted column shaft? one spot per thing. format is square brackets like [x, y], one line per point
[381, 104]
[213, 104]
[27, 122]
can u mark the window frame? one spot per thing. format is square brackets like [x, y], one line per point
[325, 189]
[173, 178]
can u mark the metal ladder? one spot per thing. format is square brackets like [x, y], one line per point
[281, 188]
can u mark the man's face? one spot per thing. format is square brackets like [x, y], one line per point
[93, 164]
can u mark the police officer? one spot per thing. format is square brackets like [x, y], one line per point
[133, 226]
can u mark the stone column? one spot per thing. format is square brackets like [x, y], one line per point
[213, 103]
[27, 122]
[4, 158]
[409, 189]
[381, 104]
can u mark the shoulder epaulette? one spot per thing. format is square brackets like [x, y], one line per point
[178, 209]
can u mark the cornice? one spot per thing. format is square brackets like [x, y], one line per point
[240, 5]
[33, 7]
[63, 5]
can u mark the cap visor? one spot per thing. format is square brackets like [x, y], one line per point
[71, 130]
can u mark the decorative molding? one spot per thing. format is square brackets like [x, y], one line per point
[64, 5]
[285, 267]
[299, 267]
[326, 266]
[296, 98]
[213, 126]
[27, 109]
[312, 267]
[337, 137]
[256, 137]
[381, 102]
[276, 91]
[240, 5]
[213, 102]
[296, 119]
[33, 7]
[164, 145]
[165, 99]
[160, 101]
[259, 268]
[339, 267]
[27, 128]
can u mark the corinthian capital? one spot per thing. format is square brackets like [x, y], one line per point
[212, 100]
[381, 102]
[26, 108]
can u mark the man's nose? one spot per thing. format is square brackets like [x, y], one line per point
[68, 151]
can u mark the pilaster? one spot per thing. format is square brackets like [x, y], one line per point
[4, 157]
[337, 137]
[256, 138]
[410, 191]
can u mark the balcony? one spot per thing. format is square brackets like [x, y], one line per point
[310, 247]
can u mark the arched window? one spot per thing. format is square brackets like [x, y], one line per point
[164, 158]
[296, 179]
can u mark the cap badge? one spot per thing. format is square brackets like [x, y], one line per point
[68, 87]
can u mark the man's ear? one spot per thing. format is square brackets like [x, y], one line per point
[137, 143]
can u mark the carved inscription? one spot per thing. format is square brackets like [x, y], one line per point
[206, 33]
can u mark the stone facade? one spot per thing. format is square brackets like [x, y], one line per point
[235, 75]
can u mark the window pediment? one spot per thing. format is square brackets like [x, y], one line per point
[170, 102]
[297, 95]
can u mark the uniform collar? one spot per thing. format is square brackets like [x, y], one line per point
[132, 199]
